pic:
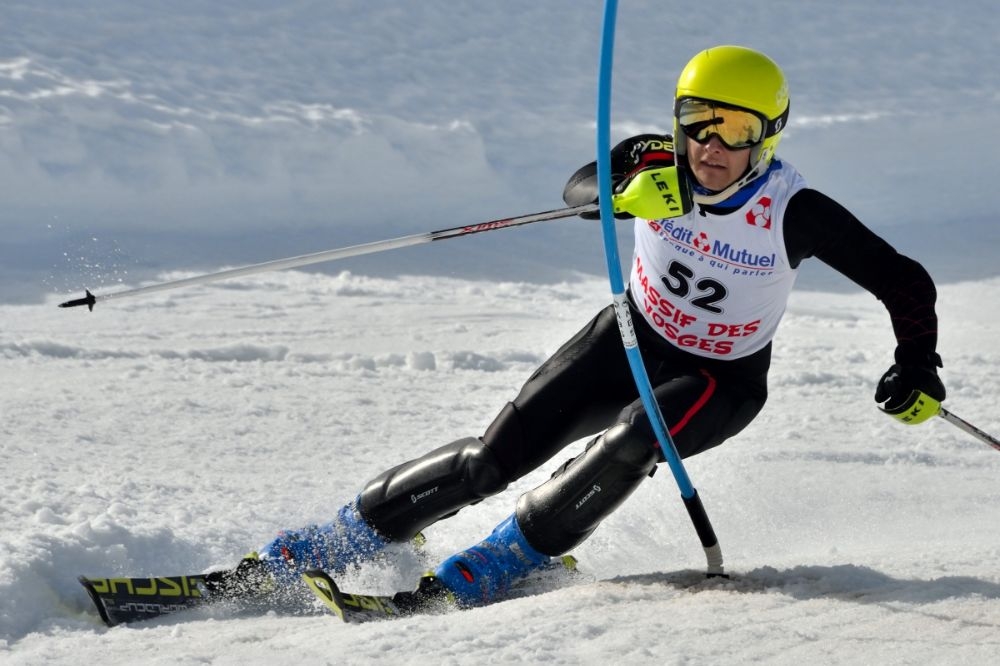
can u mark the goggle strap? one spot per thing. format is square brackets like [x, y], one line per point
[778, 124]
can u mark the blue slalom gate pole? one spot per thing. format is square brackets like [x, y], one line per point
[688, 493]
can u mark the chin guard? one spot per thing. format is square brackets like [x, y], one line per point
[917, 408]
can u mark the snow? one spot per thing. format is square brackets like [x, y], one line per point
[175, 432]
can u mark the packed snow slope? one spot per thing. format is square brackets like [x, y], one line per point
[175, 433]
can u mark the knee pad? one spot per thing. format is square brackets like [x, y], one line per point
[407, 498]
[566, 509]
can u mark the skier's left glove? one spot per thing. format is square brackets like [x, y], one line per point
[911, 391]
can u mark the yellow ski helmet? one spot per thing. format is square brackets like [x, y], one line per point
[736, 76]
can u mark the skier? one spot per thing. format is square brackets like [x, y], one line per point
[707, 290]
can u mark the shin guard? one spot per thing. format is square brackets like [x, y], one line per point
[566, 509]
[406, 499]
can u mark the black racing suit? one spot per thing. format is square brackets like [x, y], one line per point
[587, 389]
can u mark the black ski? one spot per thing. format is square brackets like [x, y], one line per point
[126, 600]
[123, 600]
[248, 585]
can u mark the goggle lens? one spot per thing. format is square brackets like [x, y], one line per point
[736, 128]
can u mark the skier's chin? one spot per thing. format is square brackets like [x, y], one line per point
[713, 178]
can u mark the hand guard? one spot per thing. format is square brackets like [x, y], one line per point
[655, 193]
[911, 391]
[643, 176]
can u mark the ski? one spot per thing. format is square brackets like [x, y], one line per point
[352, 608]
[127, 600]
[248, 585]
[428, 597]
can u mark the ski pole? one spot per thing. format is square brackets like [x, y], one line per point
[339, 253]
[692, 501]
[962, 424]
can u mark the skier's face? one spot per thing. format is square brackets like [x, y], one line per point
[715, 166]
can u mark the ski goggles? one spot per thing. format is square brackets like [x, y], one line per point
[737, 128]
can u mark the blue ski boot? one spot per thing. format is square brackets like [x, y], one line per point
[485, 572]
[347, 539]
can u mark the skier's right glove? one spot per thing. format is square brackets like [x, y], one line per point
[644, 179]
[910, 390]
